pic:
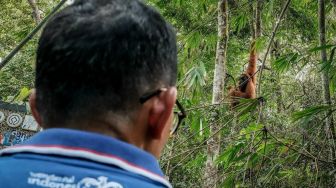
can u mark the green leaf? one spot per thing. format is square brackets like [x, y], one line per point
[260, 43]
[229, 182]
[283, 63]
[24, 93]
[309, 113]
[254, 127]
[244, 117]
[253, 160]
[246, 105]
[321, 48]
[196, 77]
[333, 83]
[229, 154]
[204, 8]
[262, 149]
[242, 157]
[241, 21]
[288, 173]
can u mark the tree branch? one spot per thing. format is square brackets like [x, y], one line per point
[36, 11]
[271, 42]
[309, 155]
[29, 36]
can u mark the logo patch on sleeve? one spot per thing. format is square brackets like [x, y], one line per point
[55, 181]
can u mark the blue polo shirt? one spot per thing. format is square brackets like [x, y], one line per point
[65, 158]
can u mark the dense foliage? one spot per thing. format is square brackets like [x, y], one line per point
[280, 143]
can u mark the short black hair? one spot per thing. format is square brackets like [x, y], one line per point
[98, 56]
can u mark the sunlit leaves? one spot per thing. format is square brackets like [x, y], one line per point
[24, 94]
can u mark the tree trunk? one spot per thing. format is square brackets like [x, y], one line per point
[36, 11]
[255, 22]
[213, 144]
[258, 18]
[329, 122]
[252, 21]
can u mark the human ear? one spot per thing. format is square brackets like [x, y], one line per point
[32, 104]
[161, 112]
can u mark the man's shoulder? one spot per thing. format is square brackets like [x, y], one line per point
[59, 154]
[30, 170]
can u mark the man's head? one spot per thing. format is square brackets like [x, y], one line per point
[95, 59]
